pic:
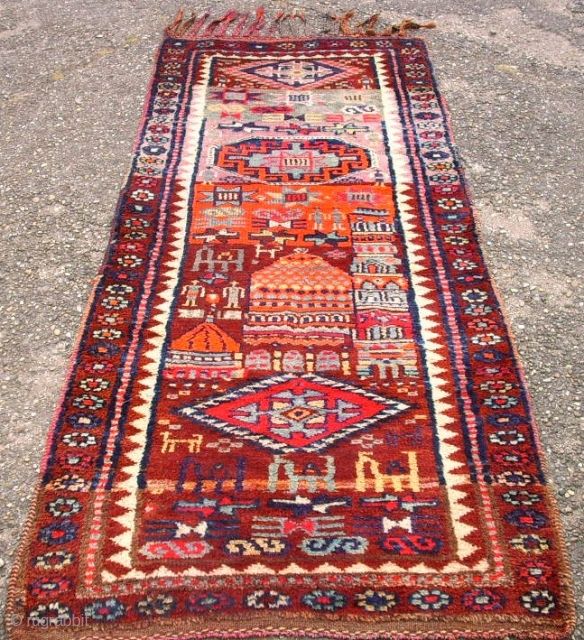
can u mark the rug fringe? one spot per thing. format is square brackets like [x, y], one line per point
[233, 24]
[255, 29]
[236, 24]
[368, 27]
[285, 21]
[408, 24]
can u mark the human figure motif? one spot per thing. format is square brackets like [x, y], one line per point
[208, 175]
[318, 218]
[233, 293]
[192, 292]
[337, 220]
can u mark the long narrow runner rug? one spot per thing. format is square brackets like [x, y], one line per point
[294, 409]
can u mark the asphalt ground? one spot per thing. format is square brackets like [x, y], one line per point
[73, 78]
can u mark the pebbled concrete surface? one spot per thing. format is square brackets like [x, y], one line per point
[73, 77]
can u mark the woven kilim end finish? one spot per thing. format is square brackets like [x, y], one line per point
[294, 409]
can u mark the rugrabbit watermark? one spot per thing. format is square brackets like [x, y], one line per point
[18, 620]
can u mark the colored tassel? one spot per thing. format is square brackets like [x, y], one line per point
[181, 25]
[367, 27]
[402, 28]
[220, 26]
[228, 20]
[344, 21]
[255, 29]
[171, 30]
[194, 28]
[287, 18]
[242, 25]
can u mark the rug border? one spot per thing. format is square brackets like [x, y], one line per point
[17, 572]
[567, 576]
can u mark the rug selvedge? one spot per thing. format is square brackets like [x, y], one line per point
[295, 406]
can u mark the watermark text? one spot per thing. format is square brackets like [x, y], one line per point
[18, 620]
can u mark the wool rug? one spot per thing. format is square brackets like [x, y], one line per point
[294, 409]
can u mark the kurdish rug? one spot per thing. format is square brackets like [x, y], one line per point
[294, 409]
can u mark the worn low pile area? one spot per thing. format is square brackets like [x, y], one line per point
[294, 409]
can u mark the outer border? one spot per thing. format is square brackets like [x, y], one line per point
[268, 632]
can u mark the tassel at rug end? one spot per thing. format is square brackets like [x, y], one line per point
[234, 24]
[369, 27]
[182, 25]
[247, 25]
[407, 24]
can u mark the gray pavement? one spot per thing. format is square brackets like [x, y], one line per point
[73, 77]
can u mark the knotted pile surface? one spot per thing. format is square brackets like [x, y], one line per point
[294, 409]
